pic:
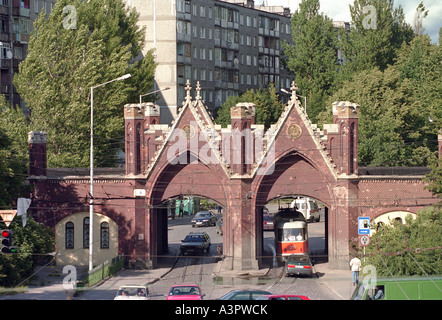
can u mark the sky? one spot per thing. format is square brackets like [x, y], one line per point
[339, 10]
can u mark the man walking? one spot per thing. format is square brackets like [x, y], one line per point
[355, 265]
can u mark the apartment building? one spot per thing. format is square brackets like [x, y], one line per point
[228, 46]
[16, 22]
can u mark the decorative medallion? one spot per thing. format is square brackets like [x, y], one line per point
[188, 131]
[294, 131]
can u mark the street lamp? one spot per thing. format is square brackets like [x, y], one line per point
[305, 99]
[146, 94]
[91, 207]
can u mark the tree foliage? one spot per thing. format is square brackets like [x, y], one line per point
[399, 107]
[63, 63]
[33, 242]
[312, 56]
[378, 30]
[268, 108]
[13, 155]
[409, 249]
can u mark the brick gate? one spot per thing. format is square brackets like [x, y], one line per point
[241, 167]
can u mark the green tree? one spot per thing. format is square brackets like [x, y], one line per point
[400, 107]
[13, 155]
[65, 60]
[33, 242]
[408, 249]
[312, 56]
[378, 31]
[268, 108]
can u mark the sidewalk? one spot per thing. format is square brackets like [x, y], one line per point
[338, 281]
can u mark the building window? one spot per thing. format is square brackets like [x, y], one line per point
[69, 235]
[104, 235]
[86, 232]
[203, 53]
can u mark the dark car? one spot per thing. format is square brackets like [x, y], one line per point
[298, 265]
[268, 222]
[244, 295]
[195, 242]
[204, 218]
[219, 226]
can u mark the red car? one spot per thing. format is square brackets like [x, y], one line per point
[282, 297]
[185, 292]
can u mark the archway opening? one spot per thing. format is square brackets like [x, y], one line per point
[315, 214]
[188, 214]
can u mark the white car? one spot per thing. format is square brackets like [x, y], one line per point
[308, 207]
[132, 292]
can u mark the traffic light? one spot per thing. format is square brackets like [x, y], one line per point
[6, 246]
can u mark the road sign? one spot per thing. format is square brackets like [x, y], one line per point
[363, 225]
[8, 216]
[364, 240]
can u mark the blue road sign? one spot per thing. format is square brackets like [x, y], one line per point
[363, 225]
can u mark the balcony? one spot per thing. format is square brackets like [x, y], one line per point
[4, 37]
[21, 37]
[25, 12]
[4, 10]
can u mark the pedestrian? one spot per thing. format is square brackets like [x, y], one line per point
[181, 209]
[355, 265]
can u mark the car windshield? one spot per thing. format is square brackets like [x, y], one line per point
[193, 238]
[298, 259]
[202, 215]
[184, 290]
[132, 292]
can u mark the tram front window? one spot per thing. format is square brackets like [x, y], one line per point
[295, 234]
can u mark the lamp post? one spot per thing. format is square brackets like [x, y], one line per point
[146, 94]
[91, 207]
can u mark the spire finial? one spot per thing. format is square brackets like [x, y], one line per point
[198, 91]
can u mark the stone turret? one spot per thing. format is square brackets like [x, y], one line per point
[37, 153]
[241, 155]
[344, 149]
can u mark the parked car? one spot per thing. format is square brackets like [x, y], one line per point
[132, 292]
[308, 207]
[298, 265]
[195, 242]
[282, 297]
[244, 295]
[219, 226]
[268, 222]
[204, 218]
[185, 292]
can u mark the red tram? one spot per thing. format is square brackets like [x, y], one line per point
[290, 232]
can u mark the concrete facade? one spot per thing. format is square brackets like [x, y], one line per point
[241, 167]
[229, 46]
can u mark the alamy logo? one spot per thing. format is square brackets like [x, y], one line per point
[369, 21]
[231, 147]
[70, 21]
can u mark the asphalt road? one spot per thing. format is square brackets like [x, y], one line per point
[203, 269]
